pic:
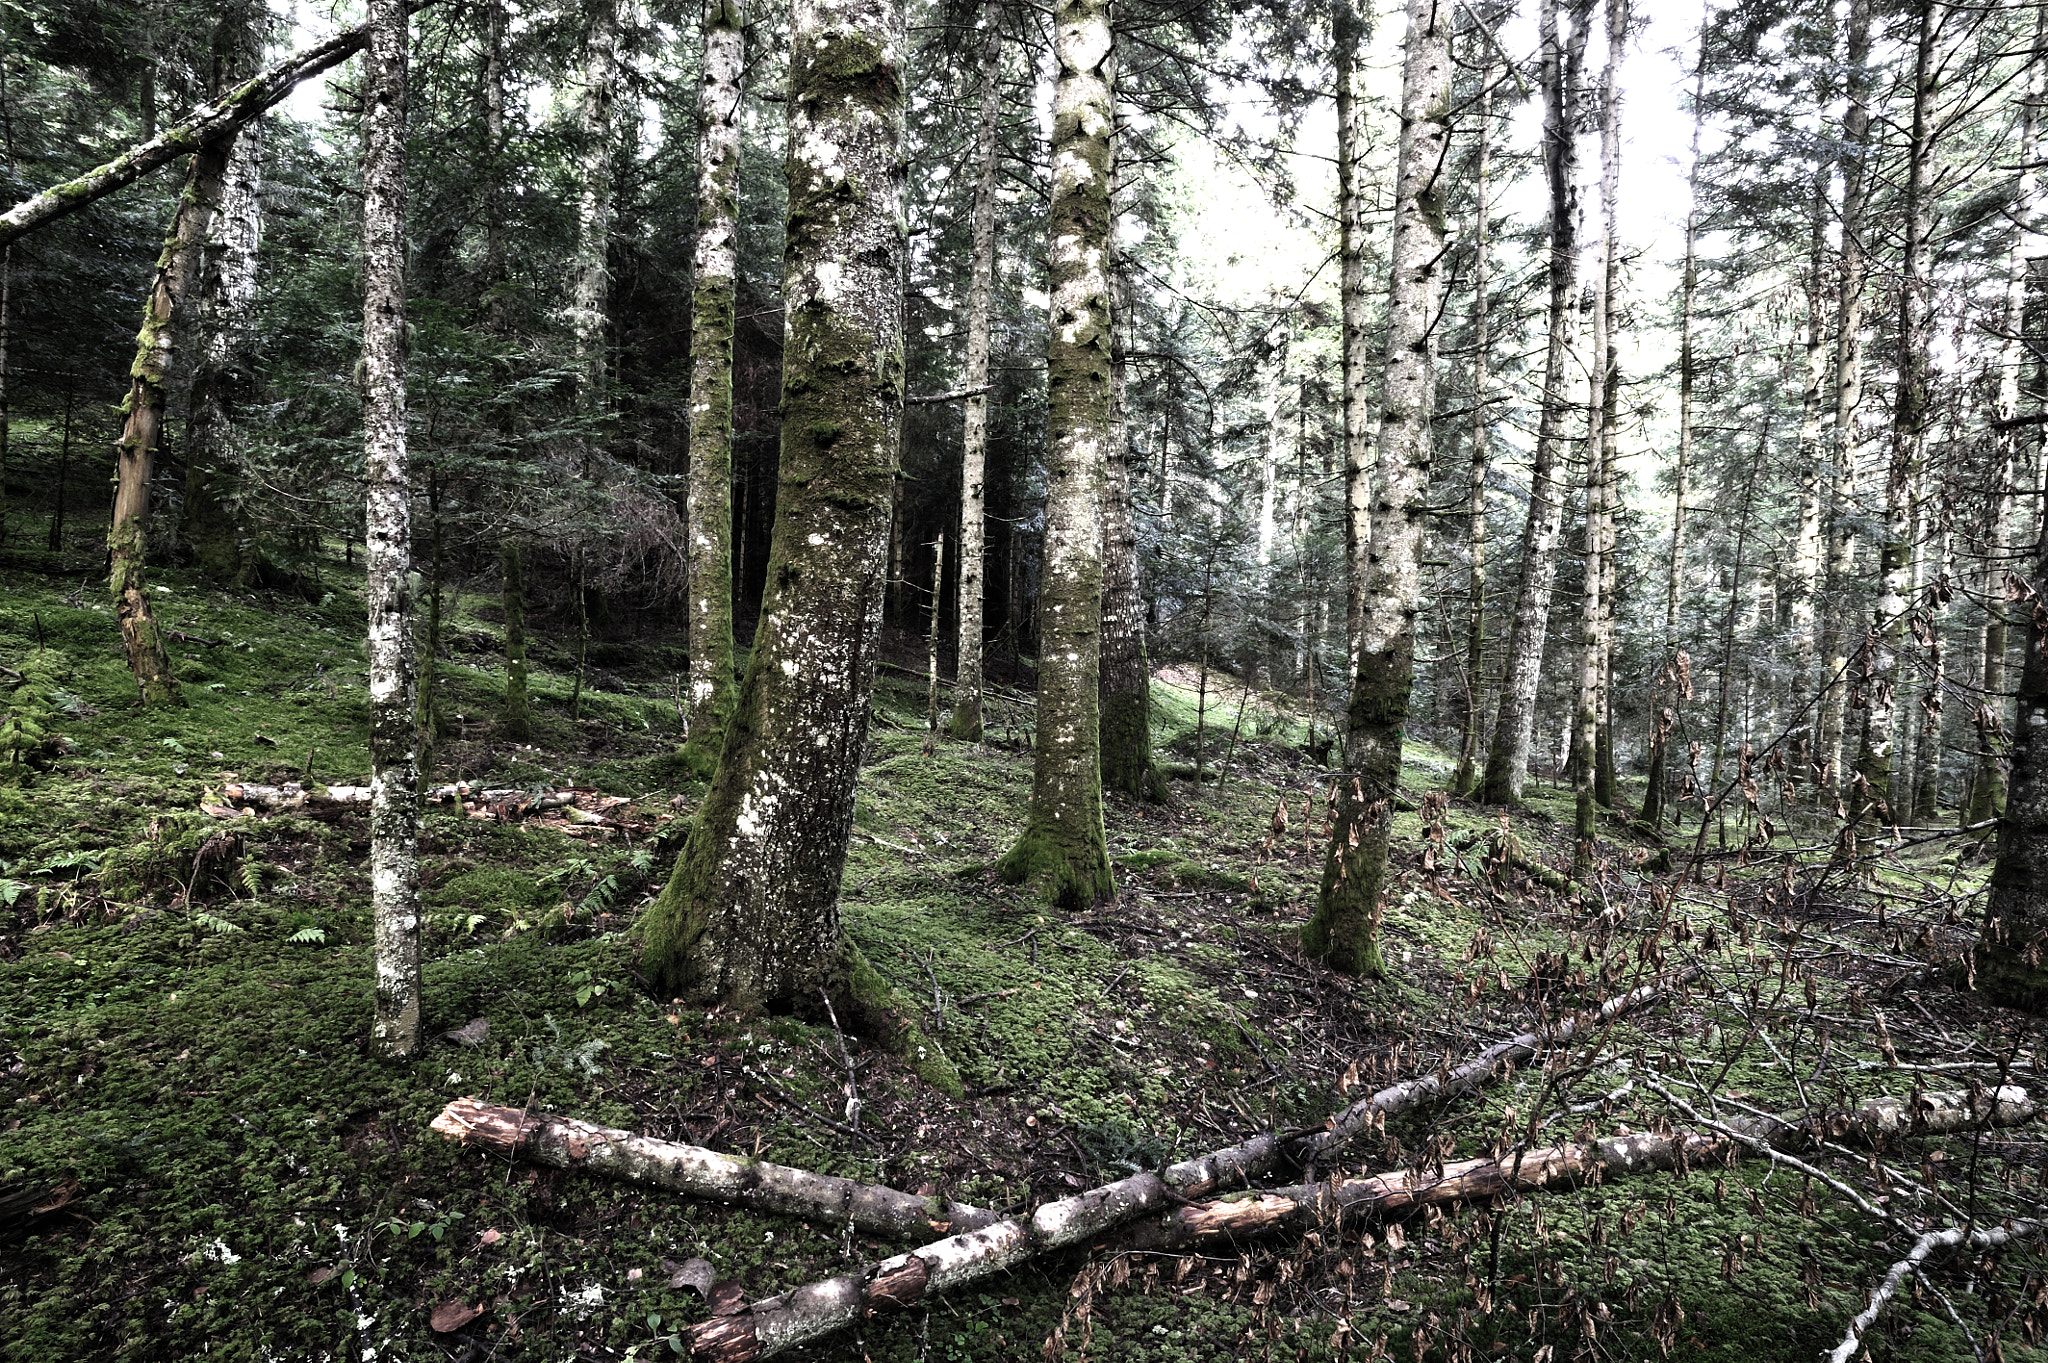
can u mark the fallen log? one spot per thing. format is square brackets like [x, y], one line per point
[566, 1143]
[209, 122]
[770, 1326]
[504, 804]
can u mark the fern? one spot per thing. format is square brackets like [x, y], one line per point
[642, 859]
[252, 877]
[215, 922]
[308, 935]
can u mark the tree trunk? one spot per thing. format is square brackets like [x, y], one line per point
[750, 914]
[1270, 441]
[1507, 763]
[967, 675]
[1349, 30]
[222, 378]
[1342, 931]
[1592, 602]
[1841, 547]
[1064, 852]
[1883, 658]
[156, 346]
[1674, 683]
[1933, 610]
[2012, 952]
[387, 544]
[590, 279]
[711, 331]
[1472, 714]
[1804, 580]
[1125, 687]
[1987, 789]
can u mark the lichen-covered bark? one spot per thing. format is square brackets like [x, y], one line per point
[1354, 873]
[387, 544]
[1507, 762]
[222, 378]
[215, 119]
[750, 914]
[1803, 582]
[967, 677]
[165, 314]
[513, 720]
[1853, 268]
[1349, 29]
[1883, 660]
[1125, 685]
[590, 279]
[1469, 707]
[711, 328]
[1987, 789]
[1063, 851]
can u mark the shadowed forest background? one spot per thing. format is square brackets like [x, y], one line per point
[1124, 681]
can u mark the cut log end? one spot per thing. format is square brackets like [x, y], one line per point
[475, 1122]
[725, 1339]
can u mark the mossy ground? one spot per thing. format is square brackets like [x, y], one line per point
[185, 1004]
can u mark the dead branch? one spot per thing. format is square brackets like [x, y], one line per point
[566, 1143]
[1983, 1237]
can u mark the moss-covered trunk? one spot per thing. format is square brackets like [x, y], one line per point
[387, 544]
[1342, 931]
[513, 720]
[967, 675]
[711, 327]
[750, 914]
[1514, 735]
[1063, 851]
[165, 314]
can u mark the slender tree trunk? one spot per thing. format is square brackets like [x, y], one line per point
[750, 914]
[1610, 584]
[1592, 602]
[430, 646]
[1933, 610]
[1349, 30]
[1343, 930]
[967, 671]
[1467, 775]
[590, 277]
[1804, 579]
[1270, 440]
[6, 411]
[222, 378]
[1064, 851]
[1841, 547]
[1987, 789]
[513, 720]
[1674, 686]
[156, 346]
[711, 336]
[1507, 763]
[387, 544]
[1883, 658]
[1126, 679]
[63, 471]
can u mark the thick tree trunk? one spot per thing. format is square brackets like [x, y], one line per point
[589, 275]
[1471, 712]
[1507, 763]
[1064, 852]
[1592, 601]
[1349, 30]
[165, 314]
[1987, 789]
[222, 378]
[2012, 952]
[1674, 682]
[712, 682]
[1342, 931]
[967, 675]
[387, 544]
[1883, 659]
[1841, 546]
[693, 1171]
[750, 914]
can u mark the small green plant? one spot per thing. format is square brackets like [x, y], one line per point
[304, 927]
[213, 922]
[586, 988]
[413, 1230]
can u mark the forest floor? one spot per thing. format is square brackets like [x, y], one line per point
[200, 1158]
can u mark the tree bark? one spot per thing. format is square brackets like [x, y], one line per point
[1803, 582]
[1342, 930]
[565, 1143]
[1987, 790]
[1841, 547]
[965, 724]
[590, 277]
[750, 914]
[1883, 660]
[222, 378]
[1064, 852]
[1349, 29]
[1472, 714]
[712, 682]
[207, 123]
[1507, 762]
[165, 314]
[387, 544]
